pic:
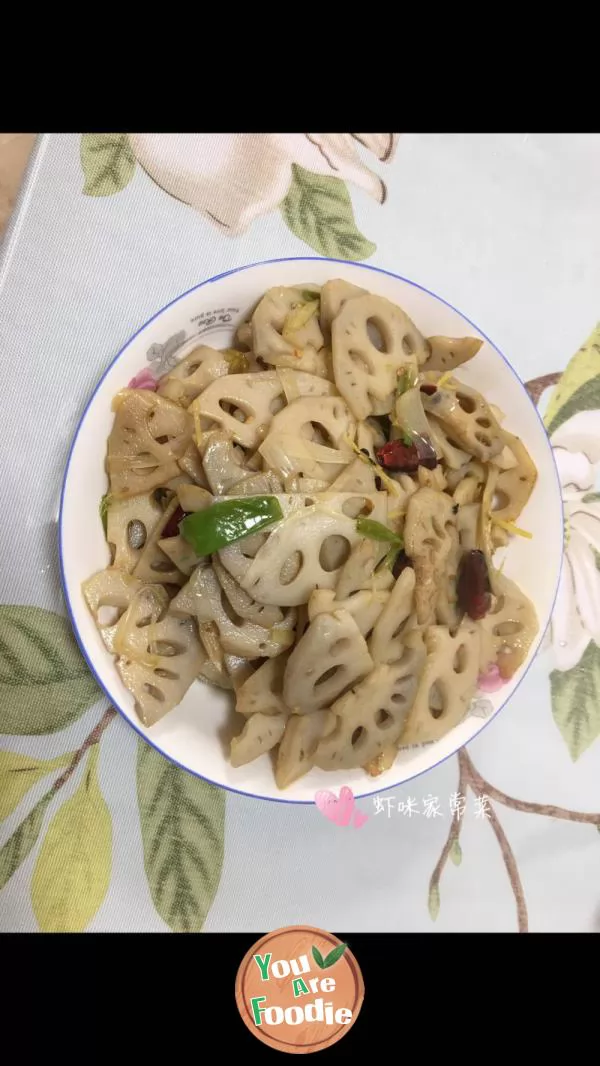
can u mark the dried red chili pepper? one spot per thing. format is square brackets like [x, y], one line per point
[474, 591]
[403, 458]
[172, 527]
[428, 389]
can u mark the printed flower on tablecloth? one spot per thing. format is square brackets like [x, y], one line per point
[572, 419]
[576, 618]
[232, 178]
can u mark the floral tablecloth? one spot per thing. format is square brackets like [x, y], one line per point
[97, 831]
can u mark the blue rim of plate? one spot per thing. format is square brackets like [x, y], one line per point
[194, 288]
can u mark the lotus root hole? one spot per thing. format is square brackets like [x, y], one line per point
[398, 697]
[232, 409]
[376, 334]
[155, 692]
[108, 616]
[467, 403]
[460, 659]
[383, 719]
[165, 648]
[500, 500]
[407, 344]
[335, 549]
[339, 646]
[291, 568]
[484, 423]
[136, 534]
[167, 674]
[359, 361]
[436, 701]
[358, 505]
[507, 629]
[327, 675]
[357, 735]
[483, 439]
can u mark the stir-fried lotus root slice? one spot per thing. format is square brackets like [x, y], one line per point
[296, 752]
[215, 675]
[356, 477]
[261, 732]
[372, 715]
[158, 688]
[191, 464]
[366, 376]
[242, 604]
[243, 336]
[359, 571]
[194, 498]
[468, 520]
[365, 606]
[153, 565]
[181, 554]
[280, 336]
[129, 524]
[239, 637]
[334, 295]
[446, 353]
[192, 375]
[469, 420]
[428, 543]
[114, 590]
[149, 435]
[454, 458]
[263, 484]
[306, 550]
[223, 461]
[239, 669]
[326, 422]
[447, 611]
[447, 684]
[514, 486]
[236, 558]
[386, 643]
[329, 658]
[467, 484]
[508, 629]
[263, 691]
[242, 405]
[432, 479]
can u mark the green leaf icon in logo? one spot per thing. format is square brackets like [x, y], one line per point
[316, 954]
[329, 960]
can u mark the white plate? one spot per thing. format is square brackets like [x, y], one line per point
[194, 734]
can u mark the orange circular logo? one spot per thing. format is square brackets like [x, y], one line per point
[299, 989]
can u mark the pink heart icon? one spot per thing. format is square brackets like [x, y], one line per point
[359, 819]
[339, 811]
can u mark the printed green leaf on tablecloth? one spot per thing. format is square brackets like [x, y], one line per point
[18, 773]
[318, 210]
[456, 853]
[579, 386]
[18, 846]
[73, 868]
[45, 684]
[576, 701]
[183, 822]
[108, 163]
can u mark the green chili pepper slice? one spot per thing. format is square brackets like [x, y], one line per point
[227, 521]
[377, 531]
